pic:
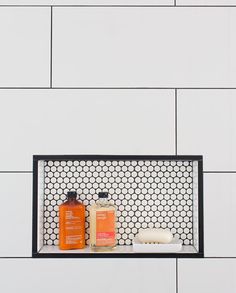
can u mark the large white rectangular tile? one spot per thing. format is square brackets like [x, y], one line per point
[25, 46]
[15, 215]
[207, 125]
[87, 275]
[207, 275]
[86, 2]
[206, 2]
[150, 46]
[220, 215]
[84, 122]
[110, 46]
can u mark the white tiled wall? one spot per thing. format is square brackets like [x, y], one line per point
[25, 46]
[118, 47]
[15, 216]
[88, 2]
[87, 275]
[207, 275]
[160, 47]
[208, 126]
[206, 2]
[220, 220]
[120, 2]
[84, 122]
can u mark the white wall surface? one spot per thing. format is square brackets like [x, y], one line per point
[169, 47]
[16, 215]
[211, 127]
[85, 122]
[87, 275]
[121, 2]
[220, 220]
[87, 2]
[160, 47]
[25, 47]
[210, 275]
[207, 2]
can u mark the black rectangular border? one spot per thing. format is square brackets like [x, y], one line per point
[37, 158]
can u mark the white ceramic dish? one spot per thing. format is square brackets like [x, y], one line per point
[174, 246]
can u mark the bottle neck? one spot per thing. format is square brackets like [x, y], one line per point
[103, 201]
[71, 199]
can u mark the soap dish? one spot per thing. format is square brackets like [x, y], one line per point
[174, 246]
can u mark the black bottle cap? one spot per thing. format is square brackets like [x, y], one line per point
[103, 194]
[71, 194]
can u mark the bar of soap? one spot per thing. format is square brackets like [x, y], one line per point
[155, 236]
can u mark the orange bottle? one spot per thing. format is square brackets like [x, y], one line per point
[71, 223]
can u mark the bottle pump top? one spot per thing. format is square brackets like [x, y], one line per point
[71, 194]
[103, 194]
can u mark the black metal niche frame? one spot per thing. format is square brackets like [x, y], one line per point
[149, 192]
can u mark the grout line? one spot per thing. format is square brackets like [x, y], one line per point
[92, 88]
[24, 88]
[24, 5]
[176, 270]
[16, 172]
[117, 5]
[51, 48]
[220, 172]
[176, 124]
[88, 6]
[153, 88]
[15, 257]
[117, 88]
[176, 276]
[206, 6]
[219, 257]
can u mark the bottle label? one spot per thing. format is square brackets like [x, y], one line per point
[105, 228]
[73, 227]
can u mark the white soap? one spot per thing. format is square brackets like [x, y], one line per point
[155, 236]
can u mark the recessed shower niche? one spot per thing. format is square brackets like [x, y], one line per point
[148, 191]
